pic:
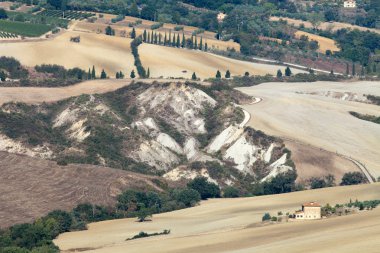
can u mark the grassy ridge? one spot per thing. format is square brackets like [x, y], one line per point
[24, 29]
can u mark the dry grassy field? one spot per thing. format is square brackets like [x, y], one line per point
[31, 187]
[104, 52]
[174, 62]
[123, 26]
[233, 225]
[32, 95]
[334, 26]
[318, 120]
[324, 43]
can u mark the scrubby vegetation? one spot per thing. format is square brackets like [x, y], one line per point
[366, 117]
[134, 47]
[352, 178]
[143, 234]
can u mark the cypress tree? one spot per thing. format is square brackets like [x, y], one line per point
[148, 73]
[148, 38]
[159, 38]
[206, 47]
[288, 72]
[347, 69]
[165, 39]
[121, 75]
[362, 71]
[173, 41]
[192, 42]
[178, 41]
[193, 76]
[155, 38]
[353, 69]
[374, 68]
[93, 74]
[201, 44]
[183, 40]
[103, 75]
[196, 43]
[170, 37]
[117, 75]
[144, 36]
[133, 33]
[133, 75]
[228, 74]
[218, 75]
[151, 37]
[279, 73]
[89, 74]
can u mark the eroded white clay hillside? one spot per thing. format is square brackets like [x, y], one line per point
[160, 128]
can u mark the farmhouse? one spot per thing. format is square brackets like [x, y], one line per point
[349, 4]
[310, 211]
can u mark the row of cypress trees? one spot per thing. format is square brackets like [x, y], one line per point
[172, 40]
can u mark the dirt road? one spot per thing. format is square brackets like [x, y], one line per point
[231, 225]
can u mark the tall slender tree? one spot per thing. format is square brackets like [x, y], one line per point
[196, 43]
[178, 44]
[133, 33]
[201, 44]
[347, 69]
[193, 76]
[144, 36]
[148, 73]
[159, 38]
[93, 74]
[353, 72]
[206, 47]
[228, 74]
[183, 40]
[89, 74]
[288, 72]
[218, 75]
[103, 74]
[152, 37]
[148, 40]
[165, 39]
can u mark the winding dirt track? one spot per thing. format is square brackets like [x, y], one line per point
[290, 110]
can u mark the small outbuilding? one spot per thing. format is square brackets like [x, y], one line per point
[309, 211]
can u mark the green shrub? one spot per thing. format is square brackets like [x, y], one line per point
[266, 217]
[205, 188]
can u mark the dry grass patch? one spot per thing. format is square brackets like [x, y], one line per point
[324, 43]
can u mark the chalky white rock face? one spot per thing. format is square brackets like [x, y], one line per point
[9, 145]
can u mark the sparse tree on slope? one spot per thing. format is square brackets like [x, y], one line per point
[218, 74]
[228, 74]
[288, 72]
[194, 76]
[103, 75]
[133, 33]
[133, 75]
[279, 73]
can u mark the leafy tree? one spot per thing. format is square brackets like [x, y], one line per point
[3, 14]
[110, 31]
[3, 76]
[103, 74]
[117, 75]
[189, 197]
[63, 219]
[281, 183]
[266, 217]
[143, 213]
[133, 33]
[218, 74]
[279, 73]
[246, 74]
[134, 10]
[231, 192]
[316, 183]
[288, 72]
[133, 75]
[194, 76]
[352, 178]
[228, 74]
[205, 188]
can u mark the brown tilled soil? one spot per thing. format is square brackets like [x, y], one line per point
[30, 187]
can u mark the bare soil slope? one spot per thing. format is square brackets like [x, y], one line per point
[174, 62]
[104, 52]
[321, 121]
[31, 187]
[231, 225]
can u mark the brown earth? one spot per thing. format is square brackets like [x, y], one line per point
[316, 162]
[233, 225]
[31, 187]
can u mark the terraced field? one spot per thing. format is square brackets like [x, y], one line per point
[72, 15]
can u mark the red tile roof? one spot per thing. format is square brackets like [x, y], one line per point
[311, 204]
